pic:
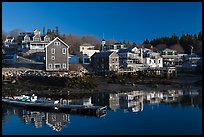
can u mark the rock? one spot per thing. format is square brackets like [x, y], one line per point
[13, 81]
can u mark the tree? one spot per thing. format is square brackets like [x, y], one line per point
[146, 41]
[57, 31]
[177, 47]
[200, 36]
[44, 30]
[4, 35]
[14, 33]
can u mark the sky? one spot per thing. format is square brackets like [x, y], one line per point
[129, 21]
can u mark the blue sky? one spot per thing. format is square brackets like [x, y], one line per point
[131, 21]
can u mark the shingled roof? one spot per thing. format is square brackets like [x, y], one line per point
[102, 54]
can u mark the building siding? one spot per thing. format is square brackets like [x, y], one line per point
[59, 57]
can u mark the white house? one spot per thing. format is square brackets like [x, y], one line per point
[8, 41]
[86, 51]
[154, 60]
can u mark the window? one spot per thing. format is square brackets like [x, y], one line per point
[64, 51]
[53, 58]
[64, 65]
[54, 117]
[57, 43]
[37, 39]
[57, 66]
[46, 38]
[50, 66]
[159, 61]
[52, 51]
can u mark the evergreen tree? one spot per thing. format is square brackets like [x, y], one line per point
[57, 31]
[200, 36]
[43, 30]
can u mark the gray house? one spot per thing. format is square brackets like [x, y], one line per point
[57, 55]
[104, 62]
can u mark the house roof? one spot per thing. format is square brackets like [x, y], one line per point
[57, 38]
[126, 50]
[102, 54]
[10, 50]
[87, 44]
[168, 50]
[9, 37]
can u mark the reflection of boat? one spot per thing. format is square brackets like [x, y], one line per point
[27, 102]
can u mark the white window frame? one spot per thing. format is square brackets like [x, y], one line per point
[64, 51]
[57, 64]
[37, 39]
[50, 66]
[64, 66]
[52, 51]
[52, 57]
[57, 43]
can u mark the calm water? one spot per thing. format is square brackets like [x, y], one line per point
[137, 112]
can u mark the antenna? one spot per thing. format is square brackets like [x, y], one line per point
[103, 35]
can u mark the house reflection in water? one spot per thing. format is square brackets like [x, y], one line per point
[55, 120]
[134, 100]
[130, 101]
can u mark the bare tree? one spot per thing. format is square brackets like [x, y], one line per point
[4, 35]
[161, 47]
[14, 33]
[177, 47]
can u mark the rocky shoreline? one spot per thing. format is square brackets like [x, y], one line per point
[64, 87]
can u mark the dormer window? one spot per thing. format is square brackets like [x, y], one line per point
[26, 38]
[37, 39]
[47, 38]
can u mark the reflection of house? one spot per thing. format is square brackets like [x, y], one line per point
[154, 97]
[57, 120]
[83, 101]
[130, 101]
[114, 101]
[36, 117]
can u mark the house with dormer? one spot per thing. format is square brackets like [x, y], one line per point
[34, 41]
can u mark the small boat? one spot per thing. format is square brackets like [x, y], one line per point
[53, 105]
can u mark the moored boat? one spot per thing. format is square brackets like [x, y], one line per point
[55, 105]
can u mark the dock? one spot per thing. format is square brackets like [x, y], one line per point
[67, 108]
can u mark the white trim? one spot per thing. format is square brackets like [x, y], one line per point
[57, 64]
[57, 38]
[52, 57]
[52, 50]
[64, 50]
[64, 66]
[50, 64]
[57, 43]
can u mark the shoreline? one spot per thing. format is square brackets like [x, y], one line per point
[182, 82]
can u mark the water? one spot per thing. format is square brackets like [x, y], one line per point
[131, 113]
